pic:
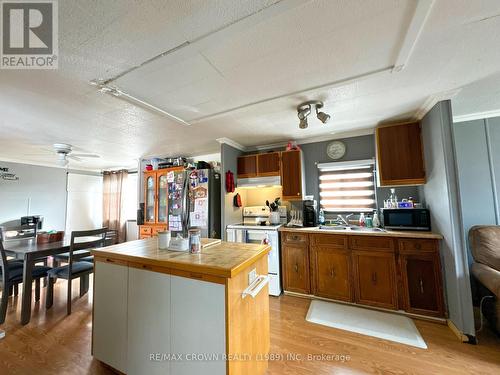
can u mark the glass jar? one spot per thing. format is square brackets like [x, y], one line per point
[194, 240]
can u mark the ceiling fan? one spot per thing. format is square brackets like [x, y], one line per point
[65, 151]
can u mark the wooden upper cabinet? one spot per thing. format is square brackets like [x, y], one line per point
[291, 175]
[150, 197]
[375, 278]
[268, 164]
[247, 166]
[400, 154]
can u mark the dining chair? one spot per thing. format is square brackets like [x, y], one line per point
[89, 239]
[84, 255]
[11, 275]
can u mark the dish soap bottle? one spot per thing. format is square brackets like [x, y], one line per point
[375, 221]
[362, 220]
[321, 217]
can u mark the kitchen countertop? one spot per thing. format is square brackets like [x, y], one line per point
[387, 233]
[217, 258]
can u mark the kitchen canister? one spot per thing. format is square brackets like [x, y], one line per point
[163, 239]
[195, 240]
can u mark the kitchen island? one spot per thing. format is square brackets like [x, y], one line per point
[164, 312]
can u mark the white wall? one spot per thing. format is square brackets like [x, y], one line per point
[84, 202]
[43, 189]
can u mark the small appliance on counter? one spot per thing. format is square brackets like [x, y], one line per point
[407, 219]
[309, 212]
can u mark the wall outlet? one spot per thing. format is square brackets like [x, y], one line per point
[252, 275]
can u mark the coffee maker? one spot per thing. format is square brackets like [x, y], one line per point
[309, 212]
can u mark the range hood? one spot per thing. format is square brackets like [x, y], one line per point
[259, 182]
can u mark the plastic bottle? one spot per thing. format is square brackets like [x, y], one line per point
[321, 217]
[369, 222]
[362, 220]
[376, 221]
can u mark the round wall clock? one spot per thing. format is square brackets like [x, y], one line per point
[336, 149]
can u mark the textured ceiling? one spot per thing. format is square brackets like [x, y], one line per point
[263, 57]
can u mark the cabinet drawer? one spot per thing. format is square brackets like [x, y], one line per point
[143, 236]
[329, 240]
[290, 237]
[145, 230]
[371, 243]
[158, 229]
[412, 245]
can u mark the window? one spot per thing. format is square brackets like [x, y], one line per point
[347, 186]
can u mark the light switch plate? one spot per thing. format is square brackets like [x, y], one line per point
[252, 275]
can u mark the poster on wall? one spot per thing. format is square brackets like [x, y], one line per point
[6, 175]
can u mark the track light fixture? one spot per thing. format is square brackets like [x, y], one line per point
[304, 110]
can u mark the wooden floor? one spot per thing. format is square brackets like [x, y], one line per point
[53, 343]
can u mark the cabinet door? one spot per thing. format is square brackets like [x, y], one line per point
[296, 268]
[422, 284]
[291, 175]
[247, 166]
[162, 198]
[375, 279]
[399, 154]
[109, 341]
[148, 321]
[268, 164]
[198, 325]
[332, 273]
[149, 198]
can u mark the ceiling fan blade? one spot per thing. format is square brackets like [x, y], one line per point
[73, 157]
[86, 155]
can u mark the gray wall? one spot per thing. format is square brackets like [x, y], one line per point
[44, 187]
[478, 157]
[357, 148]
[230, 214]
[442, 198]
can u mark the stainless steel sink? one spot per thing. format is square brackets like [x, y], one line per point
[341, 228]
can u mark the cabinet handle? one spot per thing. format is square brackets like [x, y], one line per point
[296, 268]
[418, 246]
[421, 286]
[332, 273]
[109, 260]
[374, 278]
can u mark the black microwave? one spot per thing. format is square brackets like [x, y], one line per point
[407, 219]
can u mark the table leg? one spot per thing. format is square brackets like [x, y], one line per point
[27, 285]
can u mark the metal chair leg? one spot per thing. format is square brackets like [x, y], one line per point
[16, 290]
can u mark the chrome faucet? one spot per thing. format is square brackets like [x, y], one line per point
[344, 220]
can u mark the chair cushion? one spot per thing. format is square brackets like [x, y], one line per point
[484, 241]
[87, 259]
[16, 274]
[14, 264]
[76, 254]
[78, 267]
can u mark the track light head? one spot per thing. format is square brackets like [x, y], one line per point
[303, 123]
[322, 116]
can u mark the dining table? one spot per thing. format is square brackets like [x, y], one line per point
[32, 252]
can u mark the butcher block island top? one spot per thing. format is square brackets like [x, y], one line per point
[217, 258]
[166, 312]
[385, 233]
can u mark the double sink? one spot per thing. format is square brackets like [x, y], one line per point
[350, 228]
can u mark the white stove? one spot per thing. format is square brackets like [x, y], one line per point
[257, 229]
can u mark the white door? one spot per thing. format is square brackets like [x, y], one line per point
[110, 315]
[148, 322]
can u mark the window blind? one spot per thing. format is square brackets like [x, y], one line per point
[347, 187]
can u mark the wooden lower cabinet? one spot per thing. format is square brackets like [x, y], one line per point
[380, 271]
[148, 231]
[375, 279]
[296, 267]
[332, 273]
[422, 286]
